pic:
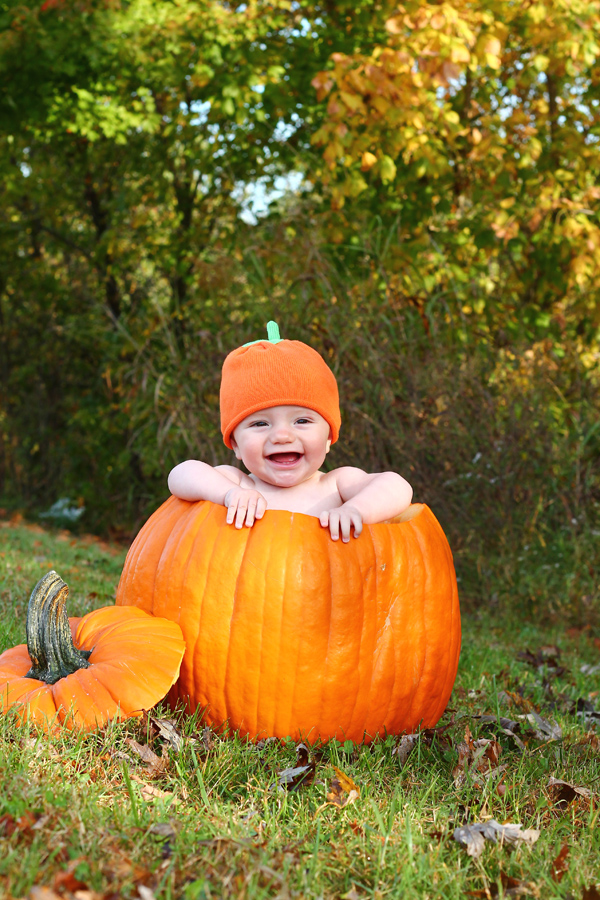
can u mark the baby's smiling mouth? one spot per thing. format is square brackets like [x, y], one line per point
[284, 459]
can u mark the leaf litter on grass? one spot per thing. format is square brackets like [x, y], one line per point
[474, 836]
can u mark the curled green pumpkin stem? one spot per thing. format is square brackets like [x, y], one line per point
[49, 641]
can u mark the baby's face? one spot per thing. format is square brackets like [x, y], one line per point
[282, 445]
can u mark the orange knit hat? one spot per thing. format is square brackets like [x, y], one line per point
[274, 372]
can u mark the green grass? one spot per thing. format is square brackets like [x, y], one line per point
[81, 812]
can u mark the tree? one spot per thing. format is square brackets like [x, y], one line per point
[476, 126]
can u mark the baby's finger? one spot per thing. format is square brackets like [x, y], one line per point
[324, 518]
[358, 525]
[261, 507]
[230, 514]
[345, 523]
[251, 513]
[334, 526]
[240, 515]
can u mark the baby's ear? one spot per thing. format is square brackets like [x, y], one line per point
[235, 449]
[328, 445]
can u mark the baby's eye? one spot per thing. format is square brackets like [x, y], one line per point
[255, 424]
[303, 421]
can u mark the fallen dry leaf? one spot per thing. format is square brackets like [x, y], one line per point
[477, 760]
[166, 830]
[544, 729]
[118, 867]
[404, 747]
[560, 864]
[591, 740]
[302, 774]
[156, 766]
[590, 893]
[342, 790]
[149, 792]
[546, 659]
[165, 729]
[39, 892]
[352, 894]
[511, 887]
[67, 880]
[473, 837]
[588, 669]
[292, 778]
[517, 699]
[206, 740]
[25, 823]
[510, 727]
[586, 711]
[562, 792]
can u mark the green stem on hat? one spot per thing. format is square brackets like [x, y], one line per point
[273, 332]
[273, 336]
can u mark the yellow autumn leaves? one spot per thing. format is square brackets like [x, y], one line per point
[488, 108]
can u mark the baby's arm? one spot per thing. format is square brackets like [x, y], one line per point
[225, 485]
[366, 498]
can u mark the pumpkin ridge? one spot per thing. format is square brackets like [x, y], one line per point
[285, 603]
[370, 632]
[118, 706]
[339, 686]
[228, 678]
[451, 662]
[37, 706]
[361, 631]
[258, 715]
[206, 611]
[370, 600]
[451, 658]
[386, 627]
[388, 622]
[114, 711]
[423, 593]
[77, 713]
[326, 661]
[282, 707]
[7, 695]
[278, 639]
[193, 517]
[175, 538]
[128, 705]
[261, 717]
[434, 632]
[165, 566]
[400, 634]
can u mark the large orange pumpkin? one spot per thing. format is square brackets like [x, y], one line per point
[291, 633]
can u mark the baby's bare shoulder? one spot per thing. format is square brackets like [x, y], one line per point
[348, 475]
[236, 475]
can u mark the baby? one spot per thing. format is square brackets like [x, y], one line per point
[280, 415]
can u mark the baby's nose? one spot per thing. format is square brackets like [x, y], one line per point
[282, 435]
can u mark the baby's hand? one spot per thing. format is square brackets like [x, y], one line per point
[244, 505]
[342, 519]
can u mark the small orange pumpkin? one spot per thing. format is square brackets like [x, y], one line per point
[81, 672]
[291, 633]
